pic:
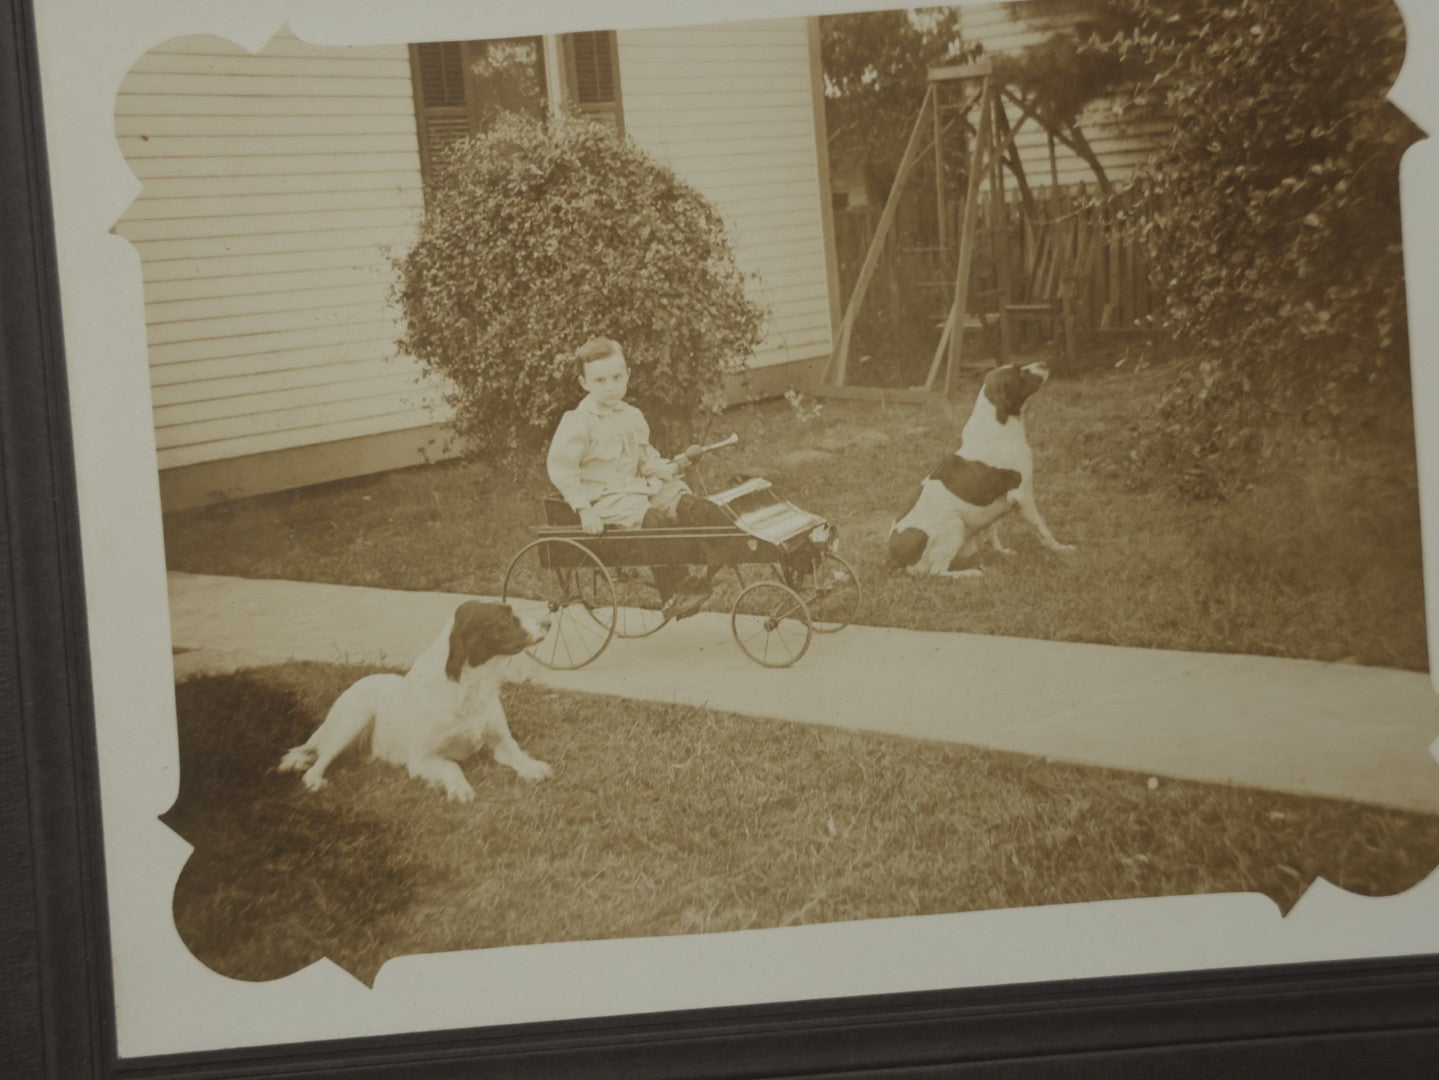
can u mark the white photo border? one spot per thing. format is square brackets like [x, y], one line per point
[167, 1002]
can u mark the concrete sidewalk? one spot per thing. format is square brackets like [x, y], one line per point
[1300, 726]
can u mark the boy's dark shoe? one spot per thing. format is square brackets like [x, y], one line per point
[684, 604]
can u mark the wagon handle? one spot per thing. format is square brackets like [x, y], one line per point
[695, 452]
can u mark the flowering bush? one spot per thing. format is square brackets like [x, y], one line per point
[539, 235]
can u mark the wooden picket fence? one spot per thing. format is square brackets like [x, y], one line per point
[1061, 271]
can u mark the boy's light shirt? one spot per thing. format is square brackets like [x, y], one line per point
[603, 450]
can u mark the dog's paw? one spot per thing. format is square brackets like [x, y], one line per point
[297, 759]
[1062, 549]
[534, 770]
[314, 781]
[461, 792]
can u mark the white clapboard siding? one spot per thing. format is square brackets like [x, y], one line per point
[731, 108]
[190, 62]
[1120, 142]
[238, 326]
[713, 164]
[201, 83]
[227, 374]
[244, 387]
[779, 134]
[724, 35]
[134, 104]
[373, 241]
[274, 186]
[728, 112]
[261, 125]
[311, 203]
[325, 428]
[265, 264]
[284, 45]
[162, 189]
[261, 345]
[201, 144]
[335, 408]
[254, 225]
[739, 181]
[695, 47]
[276, 165]
[286, 398]
[365, 295]
[250, 285]
[1003, 27]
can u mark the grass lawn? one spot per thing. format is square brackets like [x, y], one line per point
[668, 821]
[1318, 557]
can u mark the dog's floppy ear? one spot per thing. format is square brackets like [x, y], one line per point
[1000, 386]
[471, 639]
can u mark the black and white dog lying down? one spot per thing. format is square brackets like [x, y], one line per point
[445, 708]
[961, 501]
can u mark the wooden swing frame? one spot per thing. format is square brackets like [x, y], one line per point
[989, 150]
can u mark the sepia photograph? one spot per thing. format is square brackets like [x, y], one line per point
[616, 504]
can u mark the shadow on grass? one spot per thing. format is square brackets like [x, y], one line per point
[675, 820]
[278, 878]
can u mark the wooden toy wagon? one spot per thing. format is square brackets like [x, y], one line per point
[791, 583]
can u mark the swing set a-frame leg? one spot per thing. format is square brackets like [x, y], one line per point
[951, 342]
[836, 369]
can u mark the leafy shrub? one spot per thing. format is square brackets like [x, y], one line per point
[541, 234]
[1274, 208]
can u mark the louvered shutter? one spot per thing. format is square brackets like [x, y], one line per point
[443, 114]
[593, 70]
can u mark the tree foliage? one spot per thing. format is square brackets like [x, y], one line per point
[1065, 73]
[540, 234]
[1060, 74]
[876, 66]
[1273, 217]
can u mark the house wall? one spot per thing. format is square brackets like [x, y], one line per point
[275, 184]
[272, 186]
[732, 108]
[1120, 143]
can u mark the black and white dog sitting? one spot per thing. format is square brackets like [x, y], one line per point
[962, 500]
[445, 708]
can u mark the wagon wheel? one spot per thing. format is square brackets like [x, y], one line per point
[577, 592]
[635, 610]
[770, 623]
[833, 595]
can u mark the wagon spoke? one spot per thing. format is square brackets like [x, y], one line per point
[562, 637]
[836, 594]
[751, 637]
[577, 590]
[768, 610]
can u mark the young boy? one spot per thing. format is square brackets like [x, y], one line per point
[602, 463]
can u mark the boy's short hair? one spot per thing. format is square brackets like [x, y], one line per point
[596, 348]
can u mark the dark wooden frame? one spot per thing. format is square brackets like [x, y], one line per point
[1364, 1018]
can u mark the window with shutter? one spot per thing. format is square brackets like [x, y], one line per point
[461, 86]
[594, 71]
[438, 73]
[592, 75]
